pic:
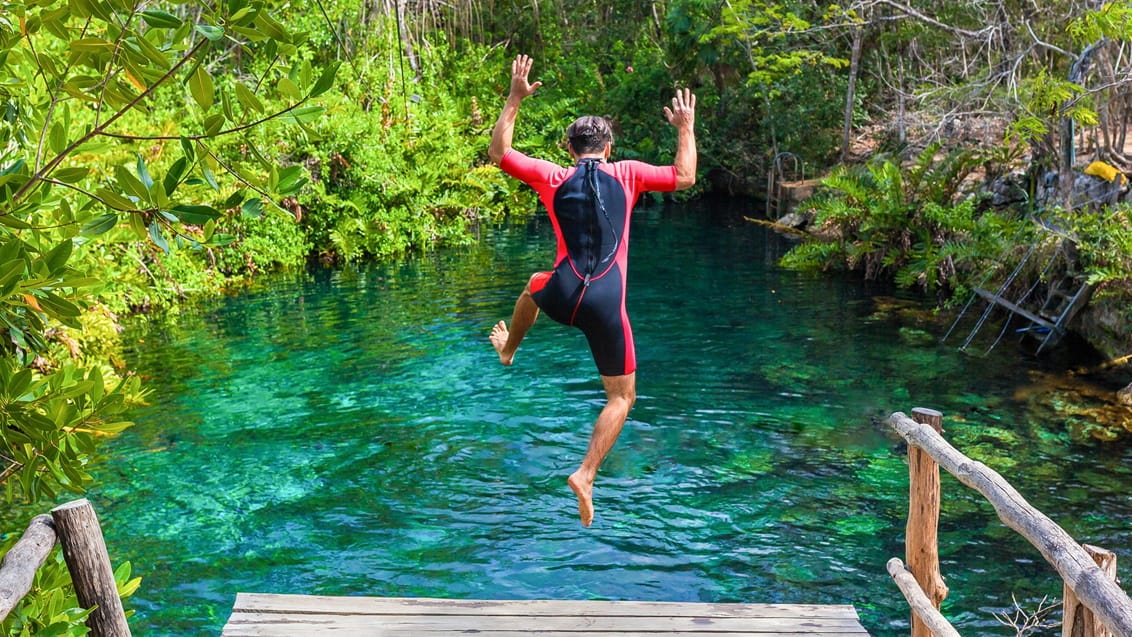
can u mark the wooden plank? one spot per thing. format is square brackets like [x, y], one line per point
[291, 630]
[998, 300]
[269, 615]
[573, 624]
[421, 605]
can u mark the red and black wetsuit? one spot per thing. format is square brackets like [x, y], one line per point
[589, 206]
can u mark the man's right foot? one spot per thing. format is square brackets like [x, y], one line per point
[498, 339]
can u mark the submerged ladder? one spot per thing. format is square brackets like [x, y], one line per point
[1048, 316]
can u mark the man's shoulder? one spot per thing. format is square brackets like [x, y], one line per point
[519, 165]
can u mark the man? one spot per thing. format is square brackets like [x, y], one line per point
[589, 205]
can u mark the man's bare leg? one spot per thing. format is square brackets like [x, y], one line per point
[523, 317]
[620, 394]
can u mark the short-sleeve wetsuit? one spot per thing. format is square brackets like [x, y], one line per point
[589, 206]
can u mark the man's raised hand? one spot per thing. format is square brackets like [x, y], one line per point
[683, 111]
[520, 69]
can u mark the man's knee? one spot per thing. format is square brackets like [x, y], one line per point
[623, 388]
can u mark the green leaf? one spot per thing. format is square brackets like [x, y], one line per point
[213, 33]
[99, 224]
[57, 138]
[196, 214]
[10, 275]
[200, 85]
[14, 222]
[90, 45]
[143, 172]
[189, 149]
[213, 124]
[271, 27]
[131, 184]
[151, 52]
[60, 308]
[114, 200]
[157, 237]
[56, 260]
[291, 180]
[303, 115]
[161, 19]
[326, 80]
[71, 175]
[173, 177]
[210, 178]
[289, 89]
[252, 208]
[247, 98]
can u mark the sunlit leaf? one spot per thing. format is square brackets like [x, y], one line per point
[99, 225]
[161, 19]
[71, 175]
[158, 237]
[201, 87]
[326, 80]
[247, 98]
[213, 33]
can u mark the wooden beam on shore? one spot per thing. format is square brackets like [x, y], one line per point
[17, 570]
[1092, 586]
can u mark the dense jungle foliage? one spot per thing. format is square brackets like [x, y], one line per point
[154, 151]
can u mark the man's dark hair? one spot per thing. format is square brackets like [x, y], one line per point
[589, 134]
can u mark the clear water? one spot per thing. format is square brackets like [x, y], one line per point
[351, 433]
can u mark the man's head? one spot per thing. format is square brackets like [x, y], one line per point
[589, 135]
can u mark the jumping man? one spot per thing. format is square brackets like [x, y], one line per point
[589, 205]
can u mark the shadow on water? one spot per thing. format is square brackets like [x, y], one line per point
[351, 433]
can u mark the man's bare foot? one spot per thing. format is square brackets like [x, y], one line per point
[498, 339]
[584, 490]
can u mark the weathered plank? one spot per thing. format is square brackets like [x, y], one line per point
[297, 615]
[424, 605]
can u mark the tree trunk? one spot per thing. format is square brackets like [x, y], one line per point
[850, 97]
[1067, 155]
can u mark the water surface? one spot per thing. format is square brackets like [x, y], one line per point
[350, 432]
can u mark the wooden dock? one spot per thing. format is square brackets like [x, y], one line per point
[261, 615]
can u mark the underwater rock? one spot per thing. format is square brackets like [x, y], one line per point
[1124, 396]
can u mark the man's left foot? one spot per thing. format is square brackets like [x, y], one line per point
[584, 490]
[498, 339]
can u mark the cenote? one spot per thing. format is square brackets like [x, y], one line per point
[350, 432]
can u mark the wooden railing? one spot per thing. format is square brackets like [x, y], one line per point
[1095, 605]
[76, 527]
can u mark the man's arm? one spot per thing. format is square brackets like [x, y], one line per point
[505, 125]
[682, 115]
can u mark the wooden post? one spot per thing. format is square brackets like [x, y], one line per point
[1077, 619]
[921, 544]
[17, 570]
[84, 549]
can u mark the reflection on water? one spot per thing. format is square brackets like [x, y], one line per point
[351, 433]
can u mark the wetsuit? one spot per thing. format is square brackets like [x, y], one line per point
[589, 206]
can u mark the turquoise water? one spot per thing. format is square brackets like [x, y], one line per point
[351, 432]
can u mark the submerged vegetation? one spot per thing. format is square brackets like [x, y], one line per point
[153, 152]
